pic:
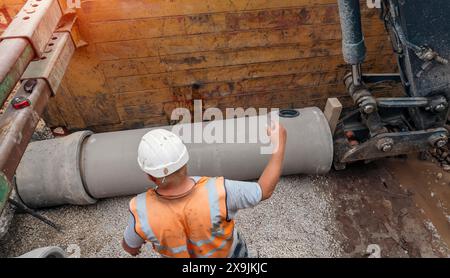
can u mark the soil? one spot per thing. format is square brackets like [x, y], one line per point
[382, 203]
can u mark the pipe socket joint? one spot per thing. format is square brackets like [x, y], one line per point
[49, 173]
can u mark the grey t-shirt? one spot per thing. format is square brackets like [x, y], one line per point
[240, 195]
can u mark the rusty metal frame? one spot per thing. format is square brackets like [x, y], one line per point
[17, 126]
[16, 129]
[47, 34]
[36, 22]
[53, 64]
[25, 38]
[15, 55]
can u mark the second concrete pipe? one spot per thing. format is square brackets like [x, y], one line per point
[83, 167]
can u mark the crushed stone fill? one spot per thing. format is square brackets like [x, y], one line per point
[298, 221]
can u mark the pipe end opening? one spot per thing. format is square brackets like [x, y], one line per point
[289, 113]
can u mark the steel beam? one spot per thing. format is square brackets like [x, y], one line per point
[16, 129]
[15, 55]
[26, 38]
[37, 38]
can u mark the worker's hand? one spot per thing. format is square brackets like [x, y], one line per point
[278, 136]
[271, 174]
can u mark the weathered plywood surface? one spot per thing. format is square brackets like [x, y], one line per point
[147, 57]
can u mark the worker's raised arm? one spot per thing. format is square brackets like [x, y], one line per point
[271, 175]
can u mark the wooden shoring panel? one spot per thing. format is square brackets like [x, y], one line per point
[146, 57]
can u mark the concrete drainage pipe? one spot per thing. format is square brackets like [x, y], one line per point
[52, 252]
[84, 167]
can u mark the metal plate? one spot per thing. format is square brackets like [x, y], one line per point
[53, 64]
[403, 143]
[36, 22]
[426, 23]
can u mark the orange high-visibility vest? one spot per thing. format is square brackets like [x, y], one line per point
[193, 226]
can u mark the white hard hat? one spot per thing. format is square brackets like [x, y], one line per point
[161, 153]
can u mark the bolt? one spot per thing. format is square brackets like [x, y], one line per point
[29, 85]
[429, 55]
[441, 142]
[368, 109]
[385, 145]
[440, 107]
[438, 140]
[387, 148]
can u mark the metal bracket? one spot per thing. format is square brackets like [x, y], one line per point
[54, 61]
[402, 102]
[36, 22]
[390, 144]
[68, 24]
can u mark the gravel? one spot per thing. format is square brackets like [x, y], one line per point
[42, 132]
[304, 228]
[298, 221]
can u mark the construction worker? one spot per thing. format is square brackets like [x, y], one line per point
[193, 217]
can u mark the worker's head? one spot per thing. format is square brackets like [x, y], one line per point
[163, 156]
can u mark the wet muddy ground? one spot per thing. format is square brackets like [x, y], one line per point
[382, 203]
